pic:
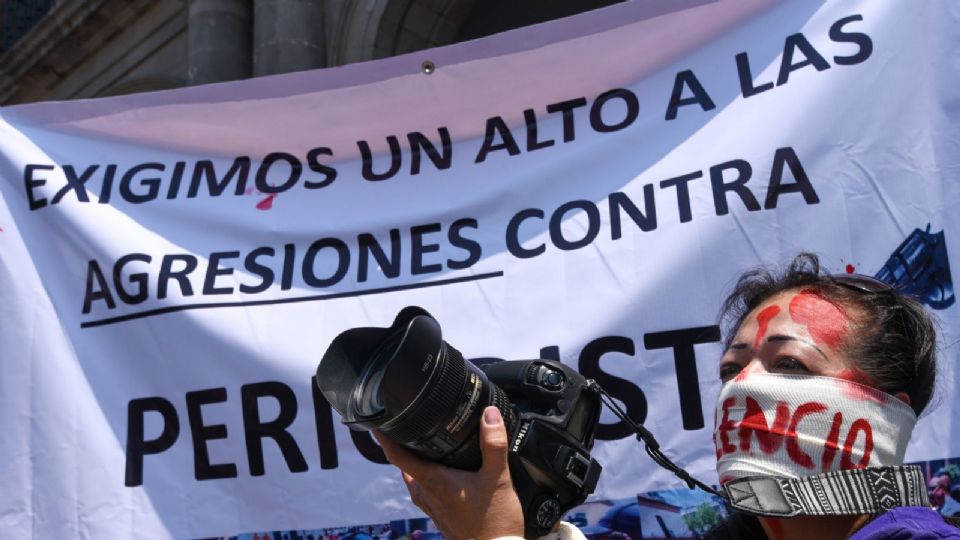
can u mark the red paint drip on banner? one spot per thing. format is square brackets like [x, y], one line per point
[267, 203]
[826, 321]
[763, 323]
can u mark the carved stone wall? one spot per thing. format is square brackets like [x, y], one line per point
[88, 48]
[92, 48]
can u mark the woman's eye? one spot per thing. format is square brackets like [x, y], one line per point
[791, 365]
[729, 371]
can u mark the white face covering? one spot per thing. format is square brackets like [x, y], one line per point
[791, 426]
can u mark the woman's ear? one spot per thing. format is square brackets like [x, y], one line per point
[902, 396]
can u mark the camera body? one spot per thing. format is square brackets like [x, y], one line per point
[420, 392]
[549, 451]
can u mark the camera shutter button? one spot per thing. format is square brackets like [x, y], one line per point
[552, 380]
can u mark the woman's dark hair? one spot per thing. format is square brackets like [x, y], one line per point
[895, 339]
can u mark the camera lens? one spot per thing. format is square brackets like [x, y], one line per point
[369, 398]
[370, 401]
[413, 387]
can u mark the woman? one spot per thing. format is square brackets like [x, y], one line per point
[857, 336]
[821, 373]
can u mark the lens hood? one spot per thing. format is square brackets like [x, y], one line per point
[403, 354]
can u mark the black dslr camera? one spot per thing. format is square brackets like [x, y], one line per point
[416, 389]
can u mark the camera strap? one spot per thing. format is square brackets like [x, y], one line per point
[849, 492]
[651, 445]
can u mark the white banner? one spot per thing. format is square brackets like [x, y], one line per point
[174, 264]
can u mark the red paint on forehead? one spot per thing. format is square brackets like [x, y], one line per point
[825, 320]
[763, 322]
[857, 385]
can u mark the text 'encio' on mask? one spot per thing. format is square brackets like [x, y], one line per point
[792, 426]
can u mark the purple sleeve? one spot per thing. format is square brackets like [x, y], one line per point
[908, 523]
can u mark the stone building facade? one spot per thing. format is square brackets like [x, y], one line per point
[73, 49]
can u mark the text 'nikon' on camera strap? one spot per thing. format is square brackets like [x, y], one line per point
[850, 492]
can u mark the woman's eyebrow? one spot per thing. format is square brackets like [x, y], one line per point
[739, 346]
[780, 337]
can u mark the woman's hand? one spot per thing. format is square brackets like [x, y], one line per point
[463, 504]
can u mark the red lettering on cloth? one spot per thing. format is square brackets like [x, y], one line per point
[846, 458]
[831, 446]
[825, 320]
[755, 422]
[763, 322]
[726, 425]
[797, 455]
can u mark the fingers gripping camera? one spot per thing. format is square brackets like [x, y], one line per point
[416, 389]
